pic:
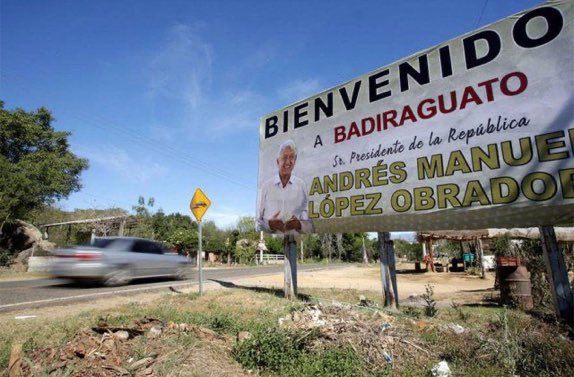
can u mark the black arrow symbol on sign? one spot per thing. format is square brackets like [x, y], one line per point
[200, 204]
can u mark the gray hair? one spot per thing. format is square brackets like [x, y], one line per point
[287, 144]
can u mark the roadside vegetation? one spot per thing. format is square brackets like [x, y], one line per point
[246, 331]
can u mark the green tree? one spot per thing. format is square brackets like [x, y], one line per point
[245, 251]
[246, 228]
[312, 246]
[36, 164]
[178, 230]
[274, 244]
[145, 226]
[230, 244]
[353, 246]
[412, 250]
[213, 238]
[183, 240]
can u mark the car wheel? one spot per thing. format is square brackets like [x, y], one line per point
[118, 276]
[183, 272]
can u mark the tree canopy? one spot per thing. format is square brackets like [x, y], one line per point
[36, 164]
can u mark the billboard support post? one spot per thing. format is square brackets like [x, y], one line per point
[388, 270]
[290, 251]
[557, 276]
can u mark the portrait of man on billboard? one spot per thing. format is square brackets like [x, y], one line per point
[282, 206]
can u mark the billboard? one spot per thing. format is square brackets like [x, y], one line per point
[475, 132]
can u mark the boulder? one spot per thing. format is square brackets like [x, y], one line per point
[25, 240]
[24, 236]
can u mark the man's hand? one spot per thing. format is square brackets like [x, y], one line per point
[293, 224]
[276, 224]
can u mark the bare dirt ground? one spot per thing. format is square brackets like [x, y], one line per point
[448, 286]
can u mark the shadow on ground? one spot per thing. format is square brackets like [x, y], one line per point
[271, 291]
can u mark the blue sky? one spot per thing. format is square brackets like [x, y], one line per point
[166, 96]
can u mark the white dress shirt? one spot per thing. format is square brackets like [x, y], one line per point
[287, 201]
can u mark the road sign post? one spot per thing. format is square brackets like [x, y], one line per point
[199, 205]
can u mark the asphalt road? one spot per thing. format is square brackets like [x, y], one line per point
[23, 294]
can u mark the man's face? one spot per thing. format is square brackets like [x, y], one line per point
[286, 162]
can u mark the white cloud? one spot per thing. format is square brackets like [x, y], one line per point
[124, 164]
[224, 219]
[242, 111]
[299, 89]
[182, 69]
[181, 79]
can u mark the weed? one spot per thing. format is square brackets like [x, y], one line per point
[4, 353]
[5, 258]
[432, 337]
[288, 353]
[271, 349]
[462, 315]
[332, 362]
[411, 311]
[138, 350]
[223, 323]
[509, 347]
[30, 344]
[430, 304]
[474, 271]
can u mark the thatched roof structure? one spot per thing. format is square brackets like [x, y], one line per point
[562, 234]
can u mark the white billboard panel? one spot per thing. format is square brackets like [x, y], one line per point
[475, 132]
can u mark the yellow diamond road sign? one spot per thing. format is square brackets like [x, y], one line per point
[199, 204]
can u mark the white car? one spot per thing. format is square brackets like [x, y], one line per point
[118, 260]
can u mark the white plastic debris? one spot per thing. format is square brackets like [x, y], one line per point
[154, 332]
[122, 335]
[457, 329]
[315, 316]
[24, 317]
[441, 370]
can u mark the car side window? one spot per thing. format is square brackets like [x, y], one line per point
[146, 247]
[155, 248]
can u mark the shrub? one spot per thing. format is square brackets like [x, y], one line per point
[290, 353]
[532, 256]
[5, 258]
[332, 362]
[269, 349]
[430, 304]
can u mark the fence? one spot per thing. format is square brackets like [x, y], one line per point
[270, 258]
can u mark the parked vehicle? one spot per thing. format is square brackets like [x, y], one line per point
[118, 260]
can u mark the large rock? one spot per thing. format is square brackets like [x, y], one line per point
[25, 240]
[22, 235]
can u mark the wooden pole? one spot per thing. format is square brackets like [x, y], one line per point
[386, 275]
[557, 276]
[290, 274]
[393, 271]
